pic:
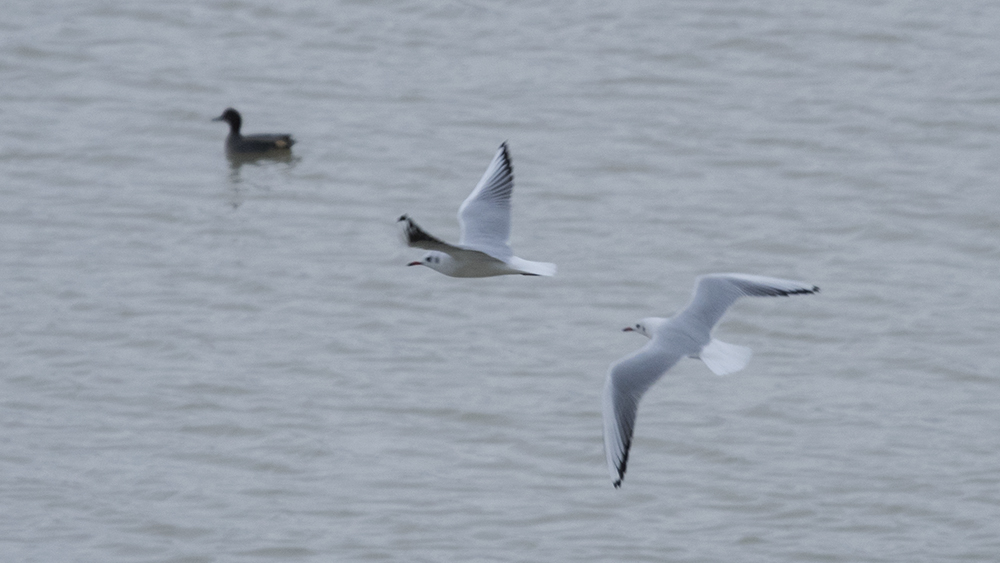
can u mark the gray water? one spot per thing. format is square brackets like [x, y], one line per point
[202, 362]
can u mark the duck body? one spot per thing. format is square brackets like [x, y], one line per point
[237, 143]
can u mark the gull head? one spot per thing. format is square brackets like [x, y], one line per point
[436, 261]
[646, 327]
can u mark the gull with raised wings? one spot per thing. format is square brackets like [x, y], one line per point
[687, 334]
[484, 247]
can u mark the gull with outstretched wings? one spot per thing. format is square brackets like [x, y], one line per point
[687, 334]
[484, 247]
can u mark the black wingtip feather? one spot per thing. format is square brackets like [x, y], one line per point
[624, 464]
[506, 158]
[788, 292]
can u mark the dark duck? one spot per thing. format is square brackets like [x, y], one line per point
[239, 144]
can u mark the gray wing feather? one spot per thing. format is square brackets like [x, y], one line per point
[628, 379]
[714, 293]
[485, 215]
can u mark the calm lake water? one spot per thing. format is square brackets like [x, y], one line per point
[205, 362]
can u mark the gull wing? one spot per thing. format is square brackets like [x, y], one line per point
[416, 237]
[714, 293]
[628, 379]
[485, 215]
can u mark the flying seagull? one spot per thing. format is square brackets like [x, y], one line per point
[484, 247]
[688, 333]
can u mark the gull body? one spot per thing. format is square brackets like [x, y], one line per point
[687, 334]
[484, 247]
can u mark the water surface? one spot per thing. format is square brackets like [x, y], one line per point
[205, 362]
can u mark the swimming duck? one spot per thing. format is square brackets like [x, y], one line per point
[250, 144]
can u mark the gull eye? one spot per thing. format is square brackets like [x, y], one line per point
[638, 326]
